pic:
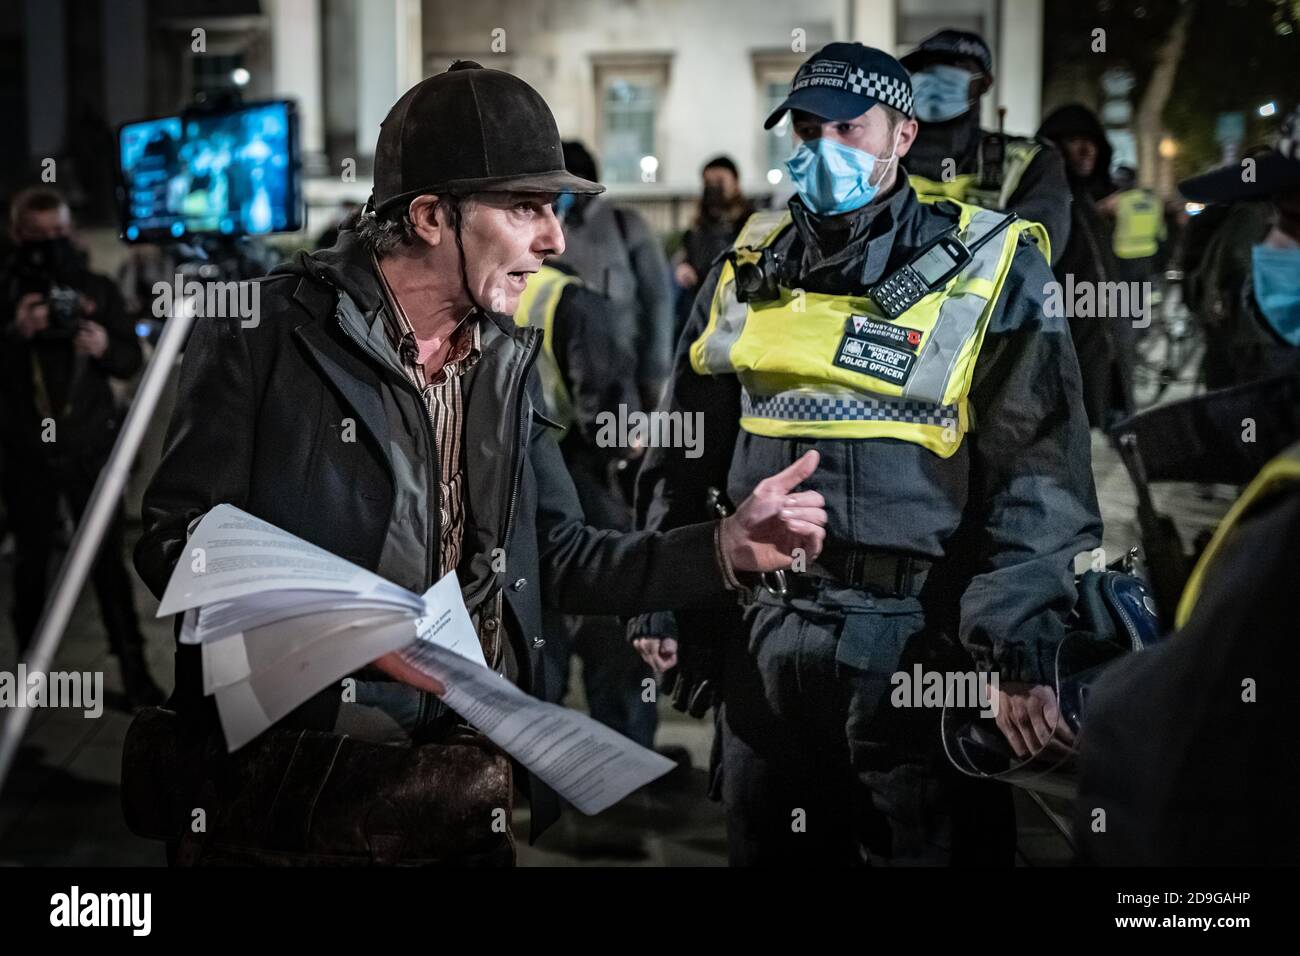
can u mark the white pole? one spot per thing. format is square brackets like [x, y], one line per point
[94, 522]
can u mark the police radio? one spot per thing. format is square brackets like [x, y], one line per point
[930, 269]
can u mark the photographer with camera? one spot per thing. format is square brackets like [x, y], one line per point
[65, 334]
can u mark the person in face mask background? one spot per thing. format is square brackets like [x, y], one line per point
[957, 493]
[1251, 275]
[723, 209]
[952, 70]
[63, 335]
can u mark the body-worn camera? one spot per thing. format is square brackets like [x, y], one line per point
[756, 275]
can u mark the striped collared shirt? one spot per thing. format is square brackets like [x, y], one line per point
[444, 402]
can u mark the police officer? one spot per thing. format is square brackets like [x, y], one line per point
[1104, 343]
[954, 468]
[954, 158]
[587, 372]
[1139, 225]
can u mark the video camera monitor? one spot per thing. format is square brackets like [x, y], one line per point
[230, 171]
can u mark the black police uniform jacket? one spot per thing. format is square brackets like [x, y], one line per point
[1003, 517]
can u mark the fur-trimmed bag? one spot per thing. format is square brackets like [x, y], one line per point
[303, 797]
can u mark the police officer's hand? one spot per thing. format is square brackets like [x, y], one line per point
[1029, 718]
[659, 652]
[32, 315]
[775, 521]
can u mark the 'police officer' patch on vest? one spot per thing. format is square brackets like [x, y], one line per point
[862, 352]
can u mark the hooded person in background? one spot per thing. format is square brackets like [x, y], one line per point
[1104, 343]
[722, 211]
[614, 251]
[954, 158]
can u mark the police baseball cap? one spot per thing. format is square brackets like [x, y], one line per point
[1274, 172]
[947, 45]
[844, 80]
[469, 130]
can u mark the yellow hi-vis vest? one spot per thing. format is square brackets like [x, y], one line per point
[1280, 475]
[827, 366]
[537, 305]
[1016, 157]
[1139, 224]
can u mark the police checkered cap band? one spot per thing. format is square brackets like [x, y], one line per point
[835, 74]
[950, 42]
[840, 409]
[886, 89]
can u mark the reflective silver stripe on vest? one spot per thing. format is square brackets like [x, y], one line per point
[731, 322]
[731, 317]
[802, 407]
[959, 315]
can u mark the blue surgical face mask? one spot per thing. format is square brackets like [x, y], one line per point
[941, 93]
[1275, 274]
[833, 178]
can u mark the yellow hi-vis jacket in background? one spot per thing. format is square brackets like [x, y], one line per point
[1139, 224]
[537, 305]
[824, 366]
[967, 188]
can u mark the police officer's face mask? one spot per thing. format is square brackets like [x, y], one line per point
[1275, 274]
[941, 92]
[833, 179]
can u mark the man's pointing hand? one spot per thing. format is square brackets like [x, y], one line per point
[776, 521]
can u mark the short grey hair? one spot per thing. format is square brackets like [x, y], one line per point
[382, 234]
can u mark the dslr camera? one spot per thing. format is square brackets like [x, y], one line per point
[51, 269]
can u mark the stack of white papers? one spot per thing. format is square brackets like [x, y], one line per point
[279, 619]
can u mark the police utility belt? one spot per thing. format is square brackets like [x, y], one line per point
[878, 573]
[887, 575]
[896, 363]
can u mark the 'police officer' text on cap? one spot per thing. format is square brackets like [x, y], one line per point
[844, 80]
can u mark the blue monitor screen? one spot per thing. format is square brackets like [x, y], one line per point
[231, 172]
